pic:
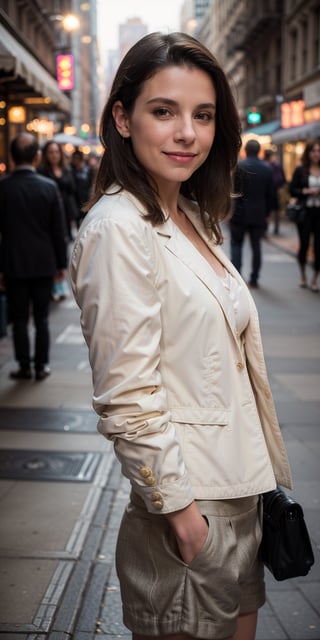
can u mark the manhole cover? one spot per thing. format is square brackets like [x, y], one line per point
[48, 465]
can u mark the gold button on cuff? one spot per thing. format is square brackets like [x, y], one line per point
[158, 504]
[150, 481]
[145, 472]
[156, 495]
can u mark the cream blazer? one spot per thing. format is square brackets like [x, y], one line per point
[184, 398]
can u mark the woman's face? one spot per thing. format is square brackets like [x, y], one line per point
[53, 154]
[172, 125]
[314, 154]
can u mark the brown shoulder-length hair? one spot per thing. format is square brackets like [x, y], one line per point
[45, 164]
[305, 158]
[211, 184]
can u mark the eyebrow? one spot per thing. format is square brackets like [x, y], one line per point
[168, 101]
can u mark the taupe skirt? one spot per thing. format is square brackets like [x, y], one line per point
[162, 595]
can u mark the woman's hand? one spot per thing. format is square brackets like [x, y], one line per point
[190, 529]
[310, 191]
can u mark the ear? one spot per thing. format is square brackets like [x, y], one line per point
[121, 119]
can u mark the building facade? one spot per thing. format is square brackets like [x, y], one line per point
[129, 33]
[33, 97]
[270, 50]
[84, 47]
[300, 109]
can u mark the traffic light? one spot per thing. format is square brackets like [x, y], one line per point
[253, 115]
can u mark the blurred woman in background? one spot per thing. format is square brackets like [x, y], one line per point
[305, 187]
[54, 165]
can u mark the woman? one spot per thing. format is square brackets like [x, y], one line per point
[174, 344]
[305, 186]
[55, 166]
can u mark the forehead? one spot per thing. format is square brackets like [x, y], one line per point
[178, 81]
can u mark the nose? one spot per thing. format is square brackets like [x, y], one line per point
[184, 130]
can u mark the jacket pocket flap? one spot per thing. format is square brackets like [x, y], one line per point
[200, 415]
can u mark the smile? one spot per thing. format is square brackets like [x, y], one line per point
[180, 156]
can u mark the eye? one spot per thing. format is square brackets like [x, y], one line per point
[162, 112]
[206, 116]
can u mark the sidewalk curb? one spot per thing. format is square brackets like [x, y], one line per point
[73, 602]
[74, 599]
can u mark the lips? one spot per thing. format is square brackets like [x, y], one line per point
[180, 156]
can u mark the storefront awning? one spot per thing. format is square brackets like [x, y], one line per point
[18, 61]
[265, 129]
[294, 134]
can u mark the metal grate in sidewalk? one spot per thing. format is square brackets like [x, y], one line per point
[16, 464]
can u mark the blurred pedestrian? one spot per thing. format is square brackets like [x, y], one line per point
[179, 379]
[279, 180]
[93, 163]
[83, 178]
[253, 187]
[54, 165]
[305, 187]
[32, 252]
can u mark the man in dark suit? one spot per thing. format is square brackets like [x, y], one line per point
[33, 250]
[253, 186]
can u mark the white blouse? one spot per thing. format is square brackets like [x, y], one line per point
[239, 301]
[314, 200]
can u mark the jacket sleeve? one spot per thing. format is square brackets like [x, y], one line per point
[113, 280]
[58, 229]
[297, 183]
[269, 193]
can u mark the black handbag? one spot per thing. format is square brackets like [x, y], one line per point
[296, 212]
[285, 548]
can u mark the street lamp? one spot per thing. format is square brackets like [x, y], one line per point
[70, 22]
[63, 24]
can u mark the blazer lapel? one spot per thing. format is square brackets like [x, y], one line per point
[180, 246]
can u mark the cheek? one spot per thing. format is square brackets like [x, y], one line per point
[207, 140]
[144, 139]
[147, 132]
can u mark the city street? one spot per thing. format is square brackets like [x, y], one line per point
[62, 495]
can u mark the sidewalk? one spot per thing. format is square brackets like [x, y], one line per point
[287, 240]
[62, 494]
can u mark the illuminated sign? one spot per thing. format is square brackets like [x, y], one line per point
[292, 114]
[312, 115]
[65, 73]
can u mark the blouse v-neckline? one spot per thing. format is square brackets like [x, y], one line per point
[195, 234]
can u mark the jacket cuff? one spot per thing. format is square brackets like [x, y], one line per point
[166, 498]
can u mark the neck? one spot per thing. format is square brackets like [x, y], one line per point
[176, 214]
[168, 198]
